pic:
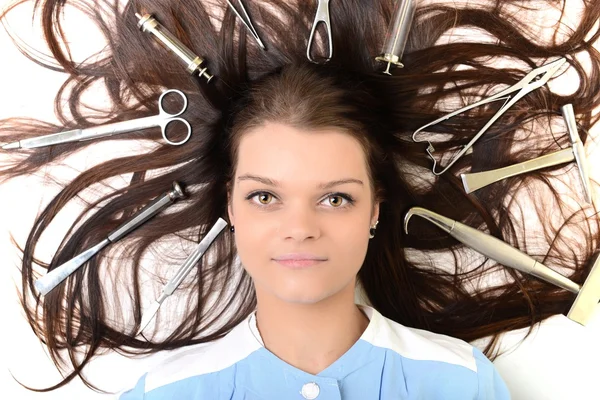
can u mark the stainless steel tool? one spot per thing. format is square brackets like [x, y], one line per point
[49, 281]
[533, 80]
[183, 271]
[477, 180]
[322, 16]
[588, 294]
[243, 15]
[162, 119]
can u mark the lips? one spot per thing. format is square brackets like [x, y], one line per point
[299, 260]
[300, 256]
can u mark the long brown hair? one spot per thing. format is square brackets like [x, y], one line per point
[402, 276]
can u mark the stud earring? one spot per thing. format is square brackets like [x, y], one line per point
[372, 230]
[232, 229]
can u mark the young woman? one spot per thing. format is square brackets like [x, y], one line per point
[308, 161]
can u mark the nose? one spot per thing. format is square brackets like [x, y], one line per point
[300, 223]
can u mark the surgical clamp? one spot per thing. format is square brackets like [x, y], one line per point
[533, 80]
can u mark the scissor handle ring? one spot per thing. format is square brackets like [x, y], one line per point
[182, 141]
[180, 93]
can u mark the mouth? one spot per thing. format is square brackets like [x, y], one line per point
[299, 263]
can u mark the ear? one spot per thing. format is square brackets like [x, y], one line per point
[375, 213]
[229, 206]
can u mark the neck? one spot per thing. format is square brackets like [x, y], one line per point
[310, 336]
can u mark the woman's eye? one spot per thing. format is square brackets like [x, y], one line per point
[339, 200]
[264, 198]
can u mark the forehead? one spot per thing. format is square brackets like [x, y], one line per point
[286, 153]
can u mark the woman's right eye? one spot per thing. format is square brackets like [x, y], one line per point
[263, 198]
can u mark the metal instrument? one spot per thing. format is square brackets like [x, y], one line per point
[193, 62]
[162, 119]
[576, 152]
[588, 294]
[322, 15]
[493, 248]
[183, 271]
[49, 281]
[397, 34]
[588, 297]
[246, 21]
[533, 80]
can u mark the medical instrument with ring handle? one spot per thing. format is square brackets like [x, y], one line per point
[162, 119]
[535, 79]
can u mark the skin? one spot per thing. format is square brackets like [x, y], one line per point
[307, 317]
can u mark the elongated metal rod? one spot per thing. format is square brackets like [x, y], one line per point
[477, 180]
[49, 281]
[183, 271]
[588, 297]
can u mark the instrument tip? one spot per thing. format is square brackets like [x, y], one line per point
[10, 146]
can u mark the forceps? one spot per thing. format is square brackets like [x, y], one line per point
[535, 79]
[247, 22]
[322, 15]
[162, 119]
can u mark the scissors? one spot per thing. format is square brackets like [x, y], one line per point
[322, 15]
[535, 79]
[162, 119]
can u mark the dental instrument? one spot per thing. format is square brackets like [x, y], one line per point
[162, 119]
[533, 80]
[493, 248]
[183, 271]
[397, 34]
[193, 62]
[246, 21]
[322, 15]
[49, 281]
[477, 180]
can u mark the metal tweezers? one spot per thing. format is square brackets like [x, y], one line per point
[247, 21]
[535, 79]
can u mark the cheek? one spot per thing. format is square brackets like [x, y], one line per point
[252, 240]
[349, 244]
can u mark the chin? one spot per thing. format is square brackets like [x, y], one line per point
[303, 295]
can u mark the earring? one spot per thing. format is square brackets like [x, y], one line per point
[372, 230]
[232, 229]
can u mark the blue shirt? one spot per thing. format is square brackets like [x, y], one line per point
[389, 361]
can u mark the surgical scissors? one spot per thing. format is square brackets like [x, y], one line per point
[162, 119]
[322, 15]
[535, 79]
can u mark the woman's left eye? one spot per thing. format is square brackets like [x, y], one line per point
[336, 200]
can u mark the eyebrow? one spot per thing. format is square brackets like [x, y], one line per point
[271, 182]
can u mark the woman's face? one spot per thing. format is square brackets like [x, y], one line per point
[299, 192]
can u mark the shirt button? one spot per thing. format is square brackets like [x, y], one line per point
[310, 391]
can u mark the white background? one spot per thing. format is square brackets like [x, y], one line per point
[558, 362]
